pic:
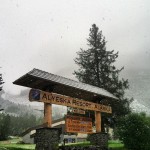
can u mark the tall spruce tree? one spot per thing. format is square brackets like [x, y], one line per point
[1, 82]
[96, 67]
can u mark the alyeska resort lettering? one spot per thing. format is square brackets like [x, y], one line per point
[68, 101]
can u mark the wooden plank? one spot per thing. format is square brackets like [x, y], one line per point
[48, 114]
[53, 98]
[98, 121]
[77, 124]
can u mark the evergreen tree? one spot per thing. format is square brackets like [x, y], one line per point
[4, 126]
[96, 67]
[1, 82]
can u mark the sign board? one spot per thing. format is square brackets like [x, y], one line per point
[53, 98]
[78, 111]
[77, 124]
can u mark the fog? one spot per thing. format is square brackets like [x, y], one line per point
[47, 34]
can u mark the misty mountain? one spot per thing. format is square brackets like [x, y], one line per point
[139, 89]
[138, 107]
[16, 109]
[19, 104]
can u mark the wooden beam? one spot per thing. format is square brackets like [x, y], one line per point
[48, 114]
[98, 121]
[54, 98]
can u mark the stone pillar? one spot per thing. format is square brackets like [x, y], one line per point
[48, 114]
[47, 138]
[100, 140]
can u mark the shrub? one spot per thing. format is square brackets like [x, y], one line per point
[134, 131]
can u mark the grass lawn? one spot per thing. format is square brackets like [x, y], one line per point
[13, 145]
[17, 147]
[114, 145]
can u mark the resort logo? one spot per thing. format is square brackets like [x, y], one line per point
[34, 95]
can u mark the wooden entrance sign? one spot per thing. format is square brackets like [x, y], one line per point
[52, 98]
[70, 93]
[77, 124]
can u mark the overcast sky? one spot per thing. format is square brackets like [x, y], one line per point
[46, 34]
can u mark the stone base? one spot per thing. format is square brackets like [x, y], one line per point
[47, 138]
[100, 140]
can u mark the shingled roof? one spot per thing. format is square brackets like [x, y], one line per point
[45, 81]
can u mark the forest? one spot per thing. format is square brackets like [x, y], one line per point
[15, 125]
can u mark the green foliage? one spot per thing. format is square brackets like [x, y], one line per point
[96, 67]
[15, 125]
[21, 123]
[55, 146]
[134, 131]
[4, 126]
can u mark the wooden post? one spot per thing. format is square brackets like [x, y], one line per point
[48, 114]
[98, 121]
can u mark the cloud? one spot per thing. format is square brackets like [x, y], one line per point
[46, 35]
